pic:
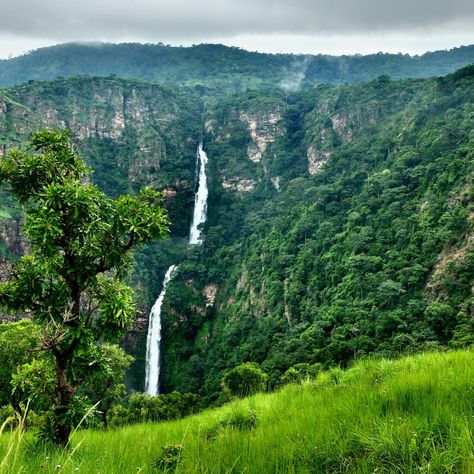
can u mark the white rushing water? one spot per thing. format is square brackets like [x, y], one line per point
[200, 199]
[153, 340]
[152, 374]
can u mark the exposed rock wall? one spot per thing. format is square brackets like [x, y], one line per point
[264, 128]
[141, 119]
[243, 133]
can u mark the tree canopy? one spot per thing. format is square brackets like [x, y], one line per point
[72, 281]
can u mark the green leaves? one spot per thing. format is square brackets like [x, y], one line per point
[28, 174]
[34, 379]
[116, 307]
[17, 341]
[138, 218]
[244, 379]
[80, 240]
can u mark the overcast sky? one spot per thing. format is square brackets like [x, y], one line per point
[306, 26]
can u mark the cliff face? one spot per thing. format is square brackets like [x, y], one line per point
[264, 127]
[132, 134]
[12, 240]
[341, 114]
[150, 131]
[5, 272]
[239, 134]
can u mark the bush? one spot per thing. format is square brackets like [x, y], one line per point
[239, 419]
[170, 458]
[245, 379]
[300, 372]
[142, 407]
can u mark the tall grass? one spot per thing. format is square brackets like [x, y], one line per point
[9, 456]
[413, 415]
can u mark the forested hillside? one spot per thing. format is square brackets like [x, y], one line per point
[353, 236]
[340, 217]
[227, 68]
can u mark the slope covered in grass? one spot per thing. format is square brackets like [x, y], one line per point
[415, 414]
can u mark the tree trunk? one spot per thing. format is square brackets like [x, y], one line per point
[22, 414]
[64, 392]
[104, 418]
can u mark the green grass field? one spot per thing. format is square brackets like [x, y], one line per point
[413, 415]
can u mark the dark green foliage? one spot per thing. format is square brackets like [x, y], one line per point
[18, 355]
[300, 372]
[228, 68]
[170, 459]
[141, 407]
[105, 384]
[373, 253]
[244, 380]
[72, 282]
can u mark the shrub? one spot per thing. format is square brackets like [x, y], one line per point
[170, 458]
[142, 407]
[245, 380]
[240, 419]
[300, 372]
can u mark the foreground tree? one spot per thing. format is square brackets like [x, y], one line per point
[80, 241]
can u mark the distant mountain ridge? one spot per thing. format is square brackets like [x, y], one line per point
[217, 65]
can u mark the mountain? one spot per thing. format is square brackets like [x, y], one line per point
[341, 224]
[229, 68]
[340, 216]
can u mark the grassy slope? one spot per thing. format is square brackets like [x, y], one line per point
[411, 415]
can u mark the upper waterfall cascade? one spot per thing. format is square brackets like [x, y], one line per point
[152, 375]
[200, 199]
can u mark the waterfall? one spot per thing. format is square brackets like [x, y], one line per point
[153, 340]
[152, 374]
[200, 199]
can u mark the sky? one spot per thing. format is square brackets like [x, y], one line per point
[298, 26]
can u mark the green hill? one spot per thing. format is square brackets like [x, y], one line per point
[229, 68]
[349, 231]
[340, 216]
[410, 415]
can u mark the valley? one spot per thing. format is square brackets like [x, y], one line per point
[327, 223]
[303, 189]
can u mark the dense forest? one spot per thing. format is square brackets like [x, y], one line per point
[226, 68]
[356, 238]
[340, 215]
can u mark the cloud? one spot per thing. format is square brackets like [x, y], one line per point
[188, 20]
